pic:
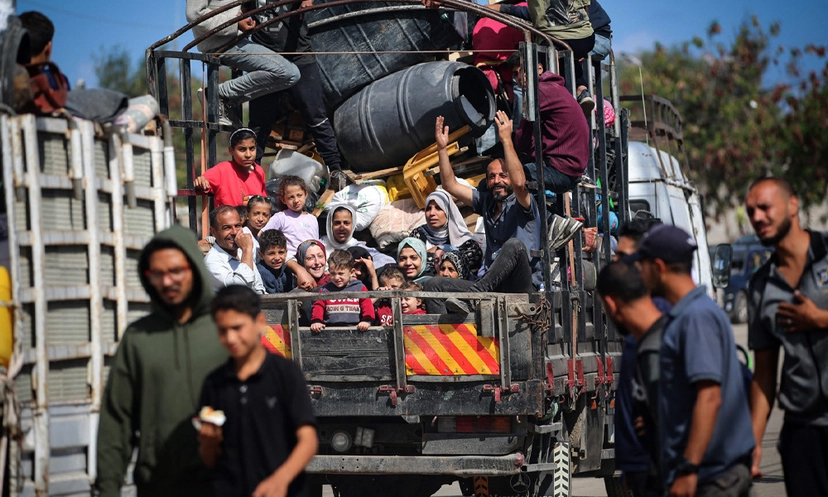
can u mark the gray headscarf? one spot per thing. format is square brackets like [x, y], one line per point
[454, 232]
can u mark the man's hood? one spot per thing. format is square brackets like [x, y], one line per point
[551, 76]
[184, 240]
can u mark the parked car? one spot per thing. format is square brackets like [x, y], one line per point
[748, 256]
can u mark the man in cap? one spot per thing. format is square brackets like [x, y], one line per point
[705, 434]
[788, 308]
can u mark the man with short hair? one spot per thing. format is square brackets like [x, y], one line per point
[788, 307]
[231, 259]
[705, 438]
[155, 378]
[628, 302]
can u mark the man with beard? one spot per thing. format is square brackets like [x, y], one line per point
[155, 379]
[704, 430]
[510, 215]
[230, 261]
[787, 308]
[628, 303]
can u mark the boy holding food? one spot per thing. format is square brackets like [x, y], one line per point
[257, 428]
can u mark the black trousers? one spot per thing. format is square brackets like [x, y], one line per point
[509, 273]
[310, 100]
[804, 451]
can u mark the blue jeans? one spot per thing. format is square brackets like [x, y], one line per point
[265, 72]
[554, 180]
[601, 48]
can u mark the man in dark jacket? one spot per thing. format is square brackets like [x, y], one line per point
[155, 379]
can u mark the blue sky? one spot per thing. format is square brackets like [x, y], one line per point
[85, 27]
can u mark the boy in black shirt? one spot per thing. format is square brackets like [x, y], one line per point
[269, 436]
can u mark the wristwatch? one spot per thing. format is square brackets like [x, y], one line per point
[685, 467]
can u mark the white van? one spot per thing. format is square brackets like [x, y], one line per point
[657, 185]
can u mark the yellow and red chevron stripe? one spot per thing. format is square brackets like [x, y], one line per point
[277, 340]
[449, 350]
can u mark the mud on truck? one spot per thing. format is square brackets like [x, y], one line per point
[511, 399]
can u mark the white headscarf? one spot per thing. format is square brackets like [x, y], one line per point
[454, 232]
[328, 239]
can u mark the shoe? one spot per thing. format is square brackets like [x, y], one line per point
[338, 180]
[562, 230]
[586, 182]
[455, 306]
[224, 111]
[586, 102]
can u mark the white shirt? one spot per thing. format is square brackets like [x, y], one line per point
[226, 270]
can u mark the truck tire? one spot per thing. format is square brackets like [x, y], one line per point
[615, 488]
[563, 471]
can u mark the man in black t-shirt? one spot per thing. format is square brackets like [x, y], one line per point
[269, 433]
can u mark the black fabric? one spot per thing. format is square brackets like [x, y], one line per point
[288, 35]
[310, 101]
[599, 19]
[804, 451]
[263, 414]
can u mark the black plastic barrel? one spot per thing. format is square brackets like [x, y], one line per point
[374, 28]
[393, 118]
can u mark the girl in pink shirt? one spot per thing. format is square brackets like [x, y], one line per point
[295, 223]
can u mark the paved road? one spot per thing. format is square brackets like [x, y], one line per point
[771, 485]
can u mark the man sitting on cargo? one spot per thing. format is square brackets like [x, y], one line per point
[510, 215]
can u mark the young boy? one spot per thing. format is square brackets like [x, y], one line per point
[393, 279]
[269, 435]
[342, 312]
[271, 265]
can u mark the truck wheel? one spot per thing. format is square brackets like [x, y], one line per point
[615, 488]
[563, 471]
[740, 308]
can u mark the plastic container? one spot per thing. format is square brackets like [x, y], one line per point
[373, 28]
[392, 119]
[292, 163]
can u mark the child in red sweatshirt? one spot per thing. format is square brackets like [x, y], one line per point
[342, 312]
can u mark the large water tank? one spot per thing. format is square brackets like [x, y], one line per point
[392, 119]
[388, 36]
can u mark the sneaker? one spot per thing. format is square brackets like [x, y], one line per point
[562, 230]
[455, 306]
[224, 111]
[586, 102]
[338, 180]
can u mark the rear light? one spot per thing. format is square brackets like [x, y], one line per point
[474, 424]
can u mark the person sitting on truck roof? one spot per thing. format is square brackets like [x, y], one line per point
[565, 133]
[233, 182]
[510, 215]
[269, 431]
[290, 35]
[266, 70]
[445, 226]
[156, 375]
[338, 311]
[230, 260]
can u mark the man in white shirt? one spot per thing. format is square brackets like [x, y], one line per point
[231, 260]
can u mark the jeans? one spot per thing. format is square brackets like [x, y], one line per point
[509, 273]
[735, 482]
[804, 451]
[310, 101]
[554, 180]
[601, 48]
[265, 72]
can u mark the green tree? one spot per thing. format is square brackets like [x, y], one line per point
[736, 128]
[115, 71]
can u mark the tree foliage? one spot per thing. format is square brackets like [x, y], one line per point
[737, 127]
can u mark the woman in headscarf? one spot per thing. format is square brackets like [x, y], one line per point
[411, 259]
[445, 226]
[312, 256]
[453, 265]
[339, 233]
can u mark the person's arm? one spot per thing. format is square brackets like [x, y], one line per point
[276, 485]
[303, 278]
[224, 274]
[208, 181]
[117, 424]
[447, 179]
[513, 164]
[318, 316]
[762, 396]
[705, 412]
[210, 436]
[366, 314]
[245, 243]
[369, 266]
[802, 315]
[513, 10]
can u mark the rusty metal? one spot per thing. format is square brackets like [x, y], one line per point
[498, 391]
[418, 465]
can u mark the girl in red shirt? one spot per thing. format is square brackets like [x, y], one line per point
[232, 182]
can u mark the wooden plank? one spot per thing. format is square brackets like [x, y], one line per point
[337, 351]
[324, 200]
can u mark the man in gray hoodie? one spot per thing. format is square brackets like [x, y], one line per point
[156, 376]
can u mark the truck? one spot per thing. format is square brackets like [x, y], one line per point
[512, 399]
